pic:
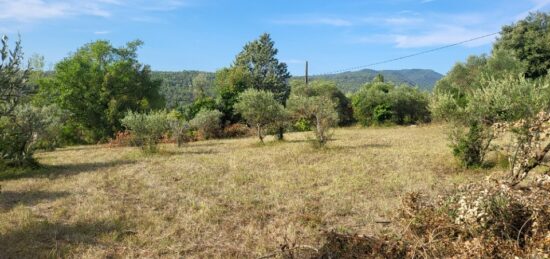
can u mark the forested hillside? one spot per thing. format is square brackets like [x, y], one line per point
[352, 81]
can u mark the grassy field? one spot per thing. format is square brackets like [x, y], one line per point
[219, 198]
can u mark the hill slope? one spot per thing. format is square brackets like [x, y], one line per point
[352, 81]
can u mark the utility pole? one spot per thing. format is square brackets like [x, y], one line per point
[307, 76]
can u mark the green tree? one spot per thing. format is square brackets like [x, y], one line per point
[319, 111]
[200, 85]
[260, 109]
[528, 40]
[471, 134]
[98, 84]
[328, 89]
[13, 77]
[267, 73]
[230, 83]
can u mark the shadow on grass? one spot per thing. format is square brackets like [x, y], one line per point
[183, 151]
[10, 199]
[42, 239]
[52, 171]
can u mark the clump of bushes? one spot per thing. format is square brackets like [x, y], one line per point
[207, 123]
[379, 103]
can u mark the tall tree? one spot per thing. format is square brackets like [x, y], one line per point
[529, 40]
[98, 84]
[267, 73]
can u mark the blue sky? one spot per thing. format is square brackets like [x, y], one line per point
[206, 34]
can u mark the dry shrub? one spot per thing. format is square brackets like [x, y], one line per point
[474, 221]
[237, 130]
[122, 139]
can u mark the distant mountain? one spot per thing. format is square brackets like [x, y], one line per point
[352, 81]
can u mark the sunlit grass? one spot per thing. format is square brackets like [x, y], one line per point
[218, 198]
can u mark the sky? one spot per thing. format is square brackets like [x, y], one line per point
[206, 35]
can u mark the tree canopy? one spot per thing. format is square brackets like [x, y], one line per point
[98, 84]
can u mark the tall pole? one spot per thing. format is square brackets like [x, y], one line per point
[307, 76]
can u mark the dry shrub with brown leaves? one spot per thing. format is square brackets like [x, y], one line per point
[475, 221]
[122, 139]
[237, 130]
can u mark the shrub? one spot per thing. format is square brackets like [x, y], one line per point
[260, 109]
[22, 133]
[379, 103]
[146, 130]
[237, 130]
[207, 122]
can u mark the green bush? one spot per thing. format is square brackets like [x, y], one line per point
[25, 131]
[147, 130]
[207, 123]
[380, 103]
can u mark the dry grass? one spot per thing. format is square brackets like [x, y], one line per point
[219, 198]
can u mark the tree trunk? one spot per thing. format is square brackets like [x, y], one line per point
[280, 133]
[259, 127]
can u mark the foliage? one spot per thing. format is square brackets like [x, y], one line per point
[13, 78]
[230, 83]
[177, 87]
[351, 82]
[318, 110]
[266, 72]
[146, 129]
[527, 40]
[381, 103]
[330, 90]
[260, 109]
[98, 84]
[27, 130]
[207, 122]
[456, 100]
[180, 130]
[190, 111]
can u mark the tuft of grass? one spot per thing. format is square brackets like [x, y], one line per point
[218, 198]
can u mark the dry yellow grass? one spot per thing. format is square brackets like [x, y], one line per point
[219, 198]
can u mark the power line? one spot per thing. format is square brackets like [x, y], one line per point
[408, 56]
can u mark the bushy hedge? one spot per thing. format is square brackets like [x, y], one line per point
[380, 103]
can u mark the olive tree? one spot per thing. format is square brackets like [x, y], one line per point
[146, 129]
[207, 122]
[318, 110]
[260, 109]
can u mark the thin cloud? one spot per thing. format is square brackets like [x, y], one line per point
[101, 32]
[28, 11]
